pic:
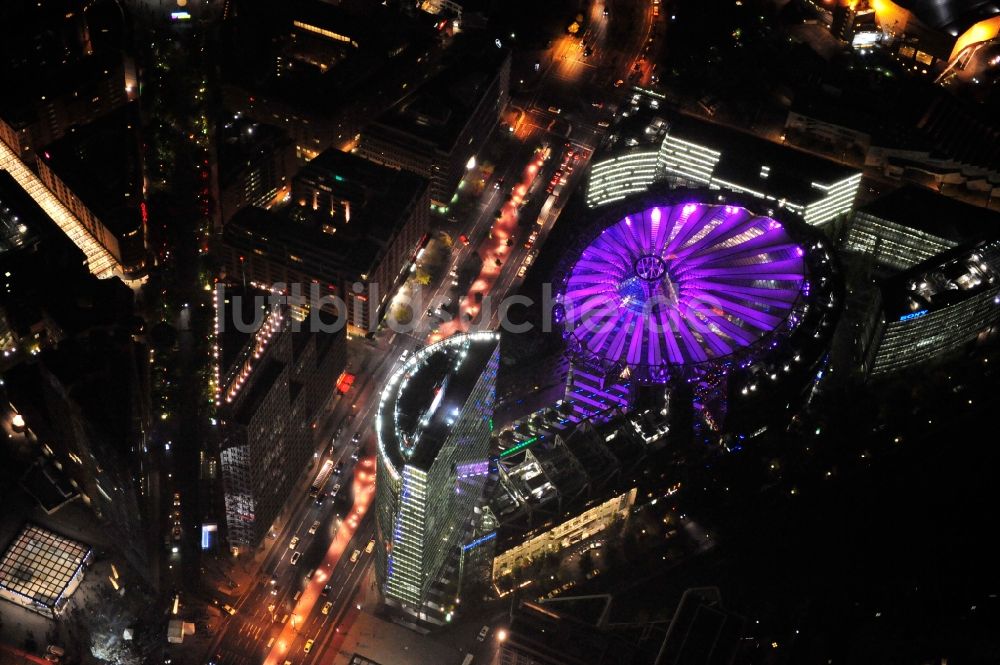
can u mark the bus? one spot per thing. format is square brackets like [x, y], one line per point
[321, 478]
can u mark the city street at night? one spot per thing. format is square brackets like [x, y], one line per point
[450, 332]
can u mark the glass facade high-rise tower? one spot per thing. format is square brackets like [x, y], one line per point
[434, 426]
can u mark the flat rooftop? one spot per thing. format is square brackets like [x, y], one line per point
[944, 280]
[375, 202]
[921, 209]
[102, 163]
[237, 311]
[242, 141]
[439, 109]
[39, 565]
[55, 76]
[791, 173]
[424, 398]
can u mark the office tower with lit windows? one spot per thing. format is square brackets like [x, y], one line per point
[256, 164]
[912, 225]
[937, 307]
[349, 223]
[277, 383]
[43, 101]
[434, 423]
[650, 146]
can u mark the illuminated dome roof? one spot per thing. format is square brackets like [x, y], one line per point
[680, 285]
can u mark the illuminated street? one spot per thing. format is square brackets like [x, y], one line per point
[444, 332]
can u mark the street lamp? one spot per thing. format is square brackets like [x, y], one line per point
[501, 635]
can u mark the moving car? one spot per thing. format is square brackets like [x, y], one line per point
[293, 542]
[295, 558]
[354, 555]
[370, 546]
[309, 645]
[229, 609]
[314, 528]
[326, 607]
[483, 633]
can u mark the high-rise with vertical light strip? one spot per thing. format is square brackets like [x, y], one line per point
[434, 424]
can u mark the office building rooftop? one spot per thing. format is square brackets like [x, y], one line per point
[241, 141]
[950, 277]
[758, 164]
[437, 111]
[424, 397]
[344, 212]
[101, 163]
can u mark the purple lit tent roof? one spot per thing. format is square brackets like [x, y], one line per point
[679, 285]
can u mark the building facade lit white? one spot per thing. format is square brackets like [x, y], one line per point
[434, 425]
[693, 152]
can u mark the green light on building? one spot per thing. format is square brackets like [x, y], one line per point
[521, 446]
